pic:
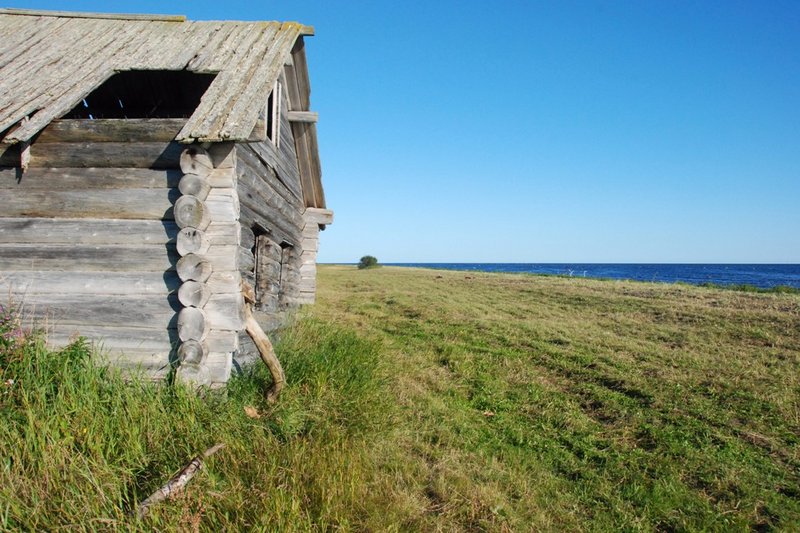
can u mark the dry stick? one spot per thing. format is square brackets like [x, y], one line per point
[266, 352]
[177, 482]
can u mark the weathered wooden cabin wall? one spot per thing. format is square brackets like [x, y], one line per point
[87, 240]
[272, 223]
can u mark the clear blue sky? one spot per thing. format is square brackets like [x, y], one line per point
[522, 131]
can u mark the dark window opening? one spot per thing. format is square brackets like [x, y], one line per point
[145, 94]
[270, 116]
[273, 113]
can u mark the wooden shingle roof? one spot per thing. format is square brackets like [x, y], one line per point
[49, 61]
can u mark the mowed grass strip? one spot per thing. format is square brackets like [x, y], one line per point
[542, 402]
[423, 400]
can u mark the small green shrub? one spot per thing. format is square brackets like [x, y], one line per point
[368, 261]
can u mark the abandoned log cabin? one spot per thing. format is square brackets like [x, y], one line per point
[152, 171]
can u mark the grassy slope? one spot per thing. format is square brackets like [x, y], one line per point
[424, 400]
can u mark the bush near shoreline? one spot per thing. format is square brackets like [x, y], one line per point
[437, 400]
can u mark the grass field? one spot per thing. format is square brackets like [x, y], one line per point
[439, 401]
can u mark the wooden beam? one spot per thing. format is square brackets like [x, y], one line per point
[303, 116]
[64, 179]
[152, 204]
[96, 231]
[106, 154]
[112, 130]
[320, 216]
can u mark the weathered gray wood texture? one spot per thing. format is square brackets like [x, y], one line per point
[271, 197]
[304, 131]
[87, 238]
[49, 63]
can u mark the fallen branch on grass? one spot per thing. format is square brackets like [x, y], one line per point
[176, 482]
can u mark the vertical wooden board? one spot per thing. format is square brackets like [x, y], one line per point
[300, 131]
[316, 170]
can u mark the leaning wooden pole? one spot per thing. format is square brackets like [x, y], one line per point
[265, 349]
[176, 482]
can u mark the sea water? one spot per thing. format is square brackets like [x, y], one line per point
[758, 275]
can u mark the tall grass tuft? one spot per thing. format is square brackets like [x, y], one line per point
[82, 445]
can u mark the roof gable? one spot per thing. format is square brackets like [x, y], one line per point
[49, 61]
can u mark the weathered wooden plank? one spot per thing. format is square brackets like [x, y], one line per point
[316, 215]
[112, 130]
[224, 312]
[52, 179]
[300, 130]
[89, 203]
[271, 166]
[223, 258]
[268, 203]
[222, 341]
[88, 258]
[301, 74]
[247, 238]
[310, 245]
[219, 367]
[106, 154]
[245, 259]
[309, 269]
[22, 283]
[316, 169]
[222, 177]
[223, 233]
[277, 231]
[89, 310]
[119, 340]
[86, 231]
[223, 205]
[303, 116]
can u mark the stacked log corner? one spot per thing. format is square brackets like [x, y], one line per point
[207, 214]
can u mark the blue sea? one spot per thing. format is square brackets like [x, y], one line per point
[758, 275]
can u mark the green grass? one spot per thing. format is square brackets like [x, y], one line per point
[439, 401]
